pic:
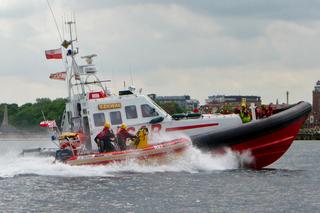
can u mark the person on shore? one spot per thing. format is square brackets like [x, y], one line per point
[104, 139]
[123, 135]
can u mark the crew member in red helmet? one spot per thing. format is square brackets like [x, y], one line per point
[104, 139]
[123, 135]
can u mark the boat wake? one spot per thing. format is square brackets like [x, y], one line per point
[192, 161]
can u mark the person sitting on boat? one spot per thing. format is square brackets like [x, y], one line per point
[270, 110]
[244, 114]
[236, 110]
[123, 135]
[264, 111]
[258, 112]
[141, 141]
[104, 139]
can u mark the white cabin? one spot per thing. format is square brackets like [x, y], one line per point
[90, 104]
[89, 113]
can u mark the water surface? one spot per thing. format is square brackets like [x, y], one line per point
[194, 183]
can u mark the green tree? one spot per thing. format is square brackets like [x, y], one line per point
[29, 115]
[172, 107]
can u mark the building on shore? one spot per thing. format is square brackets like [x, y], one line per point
[184, 101]
[233, 99]
[5, 127]
[314, 118]
[8, 131]
[215, 103]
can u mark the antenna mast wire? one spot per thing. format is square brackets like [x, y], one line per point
[75, 26]
[55, 21]
[131, 76]
[63, 24]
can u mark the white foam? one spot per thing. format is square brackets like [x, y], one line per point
[12, 165]
[193, 160]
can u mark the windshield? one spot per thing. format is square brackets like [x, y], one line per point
[158, 107]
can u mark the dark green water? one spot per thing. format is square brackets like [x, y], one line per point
[195, 183]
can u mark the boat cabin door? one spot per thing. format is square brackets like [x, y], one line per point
[86, 130]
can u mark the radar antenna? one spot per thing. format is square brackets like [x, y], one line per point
[88, 58]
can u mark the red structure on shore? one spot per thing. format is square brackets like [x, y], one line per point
[314, 119]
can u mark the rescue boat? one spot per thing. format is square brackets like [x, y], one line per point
[91, 103]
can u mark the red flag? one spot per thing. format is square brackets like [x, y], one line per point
[54, 54]
[50, 124]
[58, 76]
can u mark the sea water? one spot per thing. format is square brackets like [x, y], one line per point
[194, 182]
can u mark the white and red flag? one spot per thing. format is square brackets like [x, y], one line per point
[58, 76]
[54, 54]
[62, 76]
[49, 124]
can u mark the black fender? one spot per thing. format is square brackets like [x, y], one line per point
[245, 132]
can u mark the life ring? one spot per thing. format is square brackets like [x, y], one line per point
[69, 145]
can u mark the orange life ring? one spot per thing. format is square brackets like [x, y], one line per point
[69, 145]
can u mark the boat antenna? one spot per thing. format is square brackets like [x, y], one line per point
[131, 77]
[75, 26]
[63, 21]
[72, 52]
[55, 21]
[113, 78]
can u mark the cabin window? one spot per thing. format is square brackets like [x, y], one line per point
[148, 111]
[131, 112]
[115, 118]
[99, 119]
[69, 115]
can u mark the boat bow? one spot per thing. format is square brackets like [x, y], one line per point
[267, 139]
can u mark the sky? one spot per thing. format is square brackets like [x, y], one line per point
[199, 48]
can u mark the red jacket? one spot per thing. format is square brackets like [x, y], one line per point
[123, 134]
[105, 134]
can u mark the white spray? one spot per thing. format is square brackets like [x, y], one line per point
[192, 160]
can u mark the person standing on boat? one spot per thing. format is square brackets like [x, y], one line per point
[270, 110]
[104, 139]
[123, 135]
[244, 114]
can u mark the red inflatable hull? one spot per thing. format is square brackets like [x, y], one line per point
[265, 139]
[159, 152]
[267, 149]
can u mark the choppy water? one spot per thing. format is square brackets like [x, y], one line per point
[194, 183]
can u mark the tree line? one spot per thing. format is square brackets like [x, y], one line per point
[29, 115]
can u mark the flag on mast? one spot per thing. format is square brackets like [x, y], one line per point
[62, 76]
[54, 54]
[50, 124]
[58, 76]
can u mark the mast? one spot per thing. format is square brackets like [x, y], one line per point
[74, 70]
